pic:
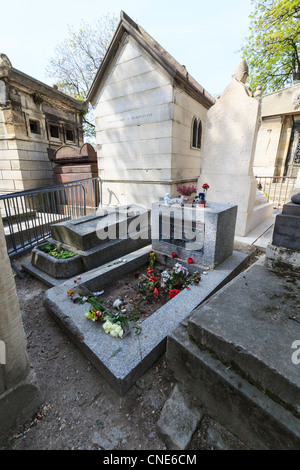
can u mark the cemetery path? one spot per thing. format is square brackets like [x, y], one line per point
[80, 410]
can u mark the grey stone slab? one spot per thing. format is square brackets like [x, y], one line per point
[248, 413]
[99, 227]
[218, 221]
[278, 257]
[179, 419]
[287, 232]
[50, 281]
[291, 209]
[251, 324]
[138, 352]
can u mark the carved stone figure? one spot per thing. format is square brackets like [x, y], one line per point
[241, 74]
[242, 71]
[4, 61]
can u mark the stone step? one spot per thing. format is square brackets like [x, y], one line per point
[14, 216]
[248, 413]
[29, 230]
[250, 326]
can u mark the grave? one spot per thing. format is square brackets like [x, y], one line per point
[284, 251]
[123, 360]
[95, 239]
[237, 353]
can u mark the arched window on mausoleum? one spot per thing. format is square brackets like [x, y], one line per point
[196, 133]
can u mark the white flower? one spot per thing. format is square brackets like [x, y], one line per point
[179, 268]
[165, 275]
[117, 303]
[107, 326]
[113, 329]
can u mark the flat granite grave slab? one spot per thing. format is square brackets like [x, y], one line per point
[123, 360]
[252, 325]
[109, 223]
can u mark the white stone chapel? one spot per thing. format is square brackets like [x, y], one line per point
[150, 119]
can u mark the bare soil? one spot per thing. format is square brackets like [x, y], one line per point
[80, 410]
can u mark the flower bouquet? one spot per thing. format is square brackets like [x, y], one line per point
[187, 192]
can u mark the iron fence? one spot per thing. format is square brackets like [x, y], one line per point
[276, 188]
[28, 215]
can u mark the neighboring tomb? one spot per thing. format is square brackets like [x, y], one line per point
[94, 239]
[77, 163]
[150, 119]
[34, 117]
[278, 144]
[284, 251]
[228, 152]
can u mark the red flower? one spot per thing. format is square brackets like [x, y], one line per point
[173, 292]
[149, 270]
[174, 255]
[156, 292]
[153, 278]
[190, 260]
[205, 186]
[187, 287]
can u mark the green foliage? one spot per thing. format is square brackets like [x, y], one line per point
[56, 251]
[273, 46]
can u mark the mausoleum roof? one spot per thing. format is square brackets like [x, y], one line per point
[21, 79]
[176, 70]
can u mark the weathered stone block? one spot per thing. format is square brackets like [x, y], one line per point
[287, 227]
[207, 234]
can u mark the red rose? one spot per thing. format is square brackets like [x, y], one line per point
[174, 255]
[153, 278]
[190, 260]
[173, 292]
[149, 270]
[156, 292]
[205, 186]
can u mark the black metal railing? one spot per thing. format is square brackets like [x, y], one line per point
[28, 215]
[276, 188]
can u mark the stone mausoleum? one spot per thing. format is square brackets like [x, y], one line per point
[150, 119]
[278, 144]
[35, 118]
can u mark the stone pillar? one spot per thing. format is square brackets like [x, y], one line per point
[19, 392]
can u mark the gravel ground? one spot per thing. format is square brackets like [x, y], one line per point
[80, 410]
